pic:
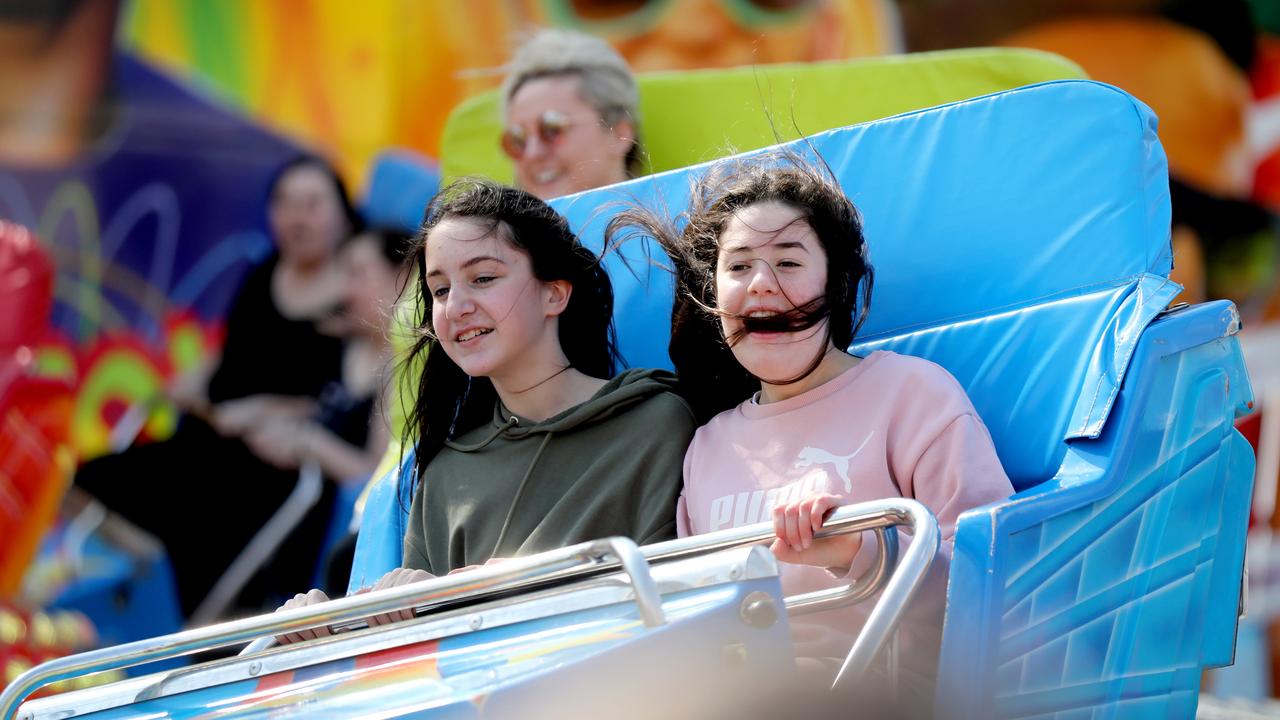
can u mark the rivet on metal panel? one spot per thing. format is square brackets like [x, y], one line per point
[759, 610]
[255, 668]
[476, 622]
[735, 572]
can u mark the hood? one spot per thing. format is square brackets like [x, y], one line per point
[624, 390]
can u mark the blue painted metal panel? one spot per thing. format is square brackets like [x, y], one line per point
[568, 665]
[1110, 587]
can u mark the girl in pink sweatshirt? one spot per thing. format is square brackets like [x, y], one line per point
[773, 282]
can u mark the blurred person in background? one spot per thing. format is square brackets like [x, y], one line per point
[350, 434]
[569, 105]
[275, 367]
[372, 264]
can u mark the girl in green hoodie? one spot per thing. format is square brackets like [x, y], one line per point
[526, 440]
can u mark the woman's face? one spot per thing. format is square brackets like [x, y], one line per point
[492, 316]
[370, 283]
[771, 261]
[559, 143]
[306, 215]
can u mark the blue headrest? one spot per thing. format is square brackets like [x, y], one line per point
[401, 183]
[1020, 239]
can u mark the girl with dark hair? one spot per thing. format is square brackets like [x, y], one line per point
[526, 440]
[773, 282]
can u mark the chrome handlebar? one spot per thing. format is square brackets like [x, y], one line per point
[576, 562]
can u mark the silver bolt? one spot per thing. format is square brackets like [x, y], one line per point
[735, 572]
[759, 610]
[255, 668]
[476, 622]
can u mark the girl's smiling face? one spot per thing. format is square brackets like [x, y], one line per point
[491, 315]
[770, 261]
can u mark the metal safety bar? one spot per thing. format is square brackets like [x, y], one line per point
[576, 562]
[880, 516]
[877, 516]
[584, 558]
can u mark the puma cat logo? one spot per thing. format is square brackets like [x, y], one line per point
[811, 456]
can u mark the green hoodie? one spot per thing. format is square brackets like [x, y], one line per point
[610, 466]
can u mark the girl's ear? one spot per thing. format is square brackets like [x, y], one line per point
[556, 296]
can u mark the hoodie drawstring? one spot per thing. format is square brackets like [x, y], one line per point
[528, 473]
[508, 423]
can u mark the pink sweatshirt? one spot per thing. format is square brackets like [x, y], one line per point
[891, 426]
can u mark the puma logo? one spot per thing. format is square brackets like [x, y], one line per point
[811, 456]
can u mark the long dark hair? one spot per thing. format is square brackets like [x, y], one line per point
[449, 402]
[711, 378]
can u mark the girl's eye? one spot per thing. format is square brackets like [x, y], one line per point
[484, 279]
[439, 292]
[738, 267]
[788, 264]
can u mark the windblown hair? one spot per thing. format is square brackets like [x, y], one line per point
[711, 378]
[605, 81]
[450, 403]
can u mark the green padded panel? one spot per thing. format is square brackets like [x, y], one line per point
[693, 116]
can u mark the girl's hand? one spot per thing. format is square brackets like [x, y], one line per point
[795, 524]
[396, 578]
[303, 600]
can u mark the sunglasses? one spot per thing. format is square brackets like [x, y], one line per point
[638, 16]
[550, 127]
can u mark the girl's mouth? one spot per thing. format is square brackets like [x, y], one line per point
[472, 335]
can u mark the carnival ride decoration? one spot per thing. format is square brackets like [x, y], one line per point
[35, 412]
[35, 461]
[356, 78]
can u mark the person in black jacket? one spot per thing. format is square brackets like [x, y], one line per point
[204, 492]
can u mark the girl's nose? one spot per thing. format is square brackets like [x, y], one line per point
[762, 281]
[458, 305]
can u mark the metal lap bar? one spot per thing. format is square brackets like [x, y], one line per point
[582, 559]
[880, 516]
[579, 561]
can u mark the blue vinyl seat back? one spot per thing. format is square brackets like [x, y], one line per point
[401, 183]
[1020, 240]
